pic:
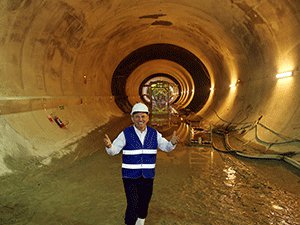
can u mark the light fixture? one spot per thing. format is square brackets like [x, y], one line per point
[233, 85]
[284, 74]
[84, 79]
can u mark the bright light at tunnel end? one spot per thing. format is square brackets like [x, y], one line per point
[284, 74]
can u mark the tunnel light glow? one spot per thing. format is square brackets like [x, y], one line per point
[233, 85]
[84, 79]
[284, 74]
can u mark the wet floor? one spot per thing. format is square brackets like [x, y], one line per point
[192, 186]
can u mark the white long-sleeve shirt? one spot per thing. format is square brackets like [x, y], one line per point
[119, 143]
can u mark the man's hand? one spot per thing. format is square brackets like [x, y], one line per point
[107, 141]
[175, 139]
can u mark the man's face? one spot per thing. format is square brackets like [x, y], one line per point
[140, 120]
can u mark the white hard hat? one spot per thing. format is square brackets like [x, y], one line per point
[139, 107]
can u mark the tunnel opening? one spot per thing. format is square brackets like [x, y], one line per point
[144, 86]
[179, 55]
[160, 94]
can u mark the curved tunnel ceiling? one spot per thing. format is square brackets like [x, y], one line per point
[85, 56]
[162, 51]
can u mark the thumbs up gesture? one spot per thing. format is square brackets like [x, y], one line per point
[107, 141]
[175, 139]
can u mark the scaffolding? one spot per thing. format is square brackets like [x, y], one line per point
[160, 103]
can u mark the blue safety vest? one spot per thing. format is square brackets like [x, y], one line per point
[138, 159]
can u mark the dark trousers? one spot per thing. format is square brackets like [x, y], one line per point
[138, 194]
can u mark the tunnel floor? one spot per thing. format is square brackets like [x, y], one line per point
[193, 185]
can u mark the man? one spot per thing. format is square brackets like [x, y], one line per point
[139, 144]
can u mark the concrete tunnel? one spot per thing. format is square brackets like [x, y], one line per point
[86, 62]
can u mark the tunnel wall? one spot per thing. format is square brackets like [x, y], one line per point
[45, 72]
[32, 134]
[273, 48]
[59, 57]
